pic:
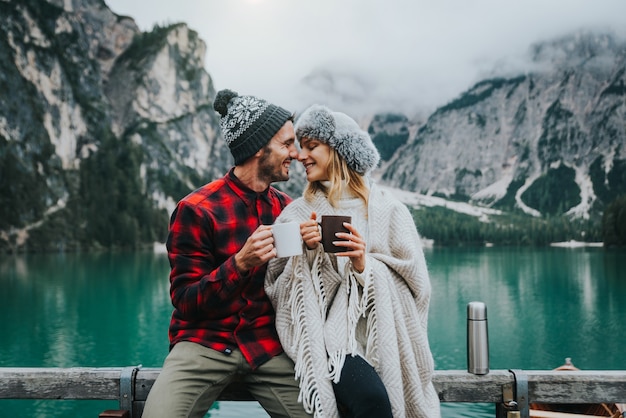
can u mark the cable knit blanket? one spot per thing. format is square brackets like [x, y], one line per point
[319, 310]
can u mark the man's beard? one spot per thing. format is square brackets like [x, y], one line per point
[269, 171]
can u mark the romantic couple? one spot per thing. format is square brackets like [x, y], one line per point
[316, 334]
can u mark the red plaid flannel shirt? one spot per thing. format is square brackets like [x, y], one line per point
[215, 305]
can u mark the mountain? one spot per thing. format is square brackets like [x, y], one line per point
[546, 142]
[103, 128]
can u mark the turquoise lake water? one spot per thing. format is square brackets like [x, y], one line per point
[87, 310]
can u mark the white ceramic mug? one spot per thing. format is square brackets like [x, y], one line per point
[287, 239]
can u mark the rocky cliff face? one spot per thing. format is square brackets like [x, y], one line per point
[102, 127]
[550, 141]
[160, 98]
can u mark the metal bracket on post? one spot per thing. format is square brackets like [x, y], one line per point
[508, 407]
[521, 393]
[127, 388]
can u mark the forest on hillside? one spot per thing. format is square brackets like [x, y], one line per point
[449, 228]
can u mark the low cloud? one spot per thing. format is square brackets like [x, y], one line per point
[362, 56]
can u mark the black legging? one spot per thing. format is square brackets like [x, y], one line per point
[360, 392]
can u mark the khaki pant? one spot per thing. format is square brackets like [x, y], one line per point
[193, 376]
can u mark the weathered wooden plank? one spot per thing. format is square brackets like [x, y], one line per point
[451, 385]
[84, 383]
[60, 383]
[543, 386]
[460, 386]
[577, 386]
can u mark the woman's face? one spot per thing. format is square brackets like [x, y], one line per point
[314, 155]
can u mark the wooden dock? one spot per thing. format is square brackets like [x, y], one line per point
[510, 391]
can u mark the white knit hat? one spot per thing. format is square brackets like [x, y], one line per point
[341, 133]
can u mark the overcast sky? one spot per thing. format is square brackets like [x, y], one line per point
[383, 53]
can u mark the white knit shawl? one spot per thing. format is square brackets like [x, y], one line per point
[318, 308]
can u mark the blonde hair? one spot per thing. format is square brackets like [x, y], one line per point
[339, 174]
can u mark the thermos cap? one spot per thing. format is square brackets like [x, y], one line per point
[476, 311]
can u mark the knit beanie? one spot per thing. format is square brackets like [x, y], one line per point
[247, 123]
[341, 133]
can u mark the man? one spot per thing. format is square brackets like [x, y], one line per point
[222, 328]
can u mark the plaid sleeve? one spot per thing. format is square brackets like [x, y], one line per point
[199, 282]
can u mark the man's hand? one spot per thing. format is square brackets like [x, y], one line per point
[258, 249]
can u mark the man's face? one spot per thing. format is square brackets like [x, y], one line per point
[278, 154]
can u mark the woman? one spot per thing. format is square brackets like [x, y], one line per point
[354, 322]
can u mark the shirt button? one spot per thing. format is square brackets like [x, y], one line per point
[228, 351]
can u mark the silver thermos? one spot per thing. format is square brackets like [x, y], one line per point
[477, 338]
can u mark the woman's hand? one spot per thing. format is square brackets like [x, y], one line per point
[356, 247]
[310, 232]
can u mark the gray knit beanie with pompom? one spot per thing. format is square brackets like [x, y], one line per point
[341, 133]
[247, 122]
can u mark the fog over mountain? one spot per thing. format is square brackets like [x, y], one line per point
[417, 55]
[548, 141]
